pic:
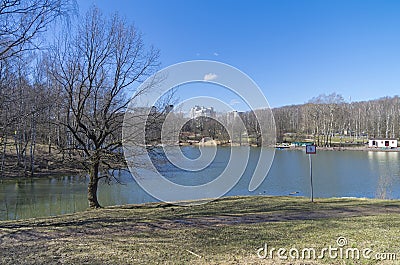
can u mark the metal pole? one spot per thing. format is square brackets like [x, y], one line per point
[311, 180]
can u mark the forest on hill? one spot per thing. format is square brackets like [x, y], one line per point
[324, 120]
[328, 116]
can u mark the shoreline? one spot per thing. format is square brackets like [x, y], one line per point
[344, 148]
[42, 175]
[364, 149]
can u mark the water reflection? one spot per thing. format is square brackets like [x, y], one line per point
[388, 166]
[26, 198]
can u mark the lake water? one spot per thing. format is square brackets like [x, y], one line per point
[335, 174]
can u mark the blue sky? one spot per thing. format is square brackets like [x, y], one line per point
[294, 50]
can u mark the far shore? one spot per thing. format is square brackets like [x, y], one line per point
[349, 148]
[290, 147]
[52, 165]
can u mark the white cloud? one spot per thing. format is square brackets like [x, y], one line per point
[216, 53]
[210, 76]
[234, 102]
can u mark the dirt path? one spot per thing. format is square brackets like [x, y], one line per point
[66, 239]
[115, 224]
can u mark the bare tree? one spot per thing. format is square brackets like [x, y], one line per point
[104, 59]
[21, 21]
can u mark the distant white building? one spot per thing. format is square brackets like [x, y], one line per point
[201, 111]
[383, 143]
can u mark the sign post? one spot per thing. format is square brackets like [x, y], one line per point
[311, 150]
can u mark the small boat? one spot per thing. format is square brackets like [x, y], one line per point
[282, 146]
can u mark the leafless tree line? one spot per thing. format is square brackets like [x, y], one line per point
[239, 128]
[322, 119]
[328, 116]
[26, 99]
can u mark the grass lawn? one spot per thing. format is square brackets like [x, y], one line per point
[226, 231]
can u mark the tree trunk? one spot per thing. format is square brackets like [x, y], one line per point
[3, 155]
[33, 144]
[92, 187]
